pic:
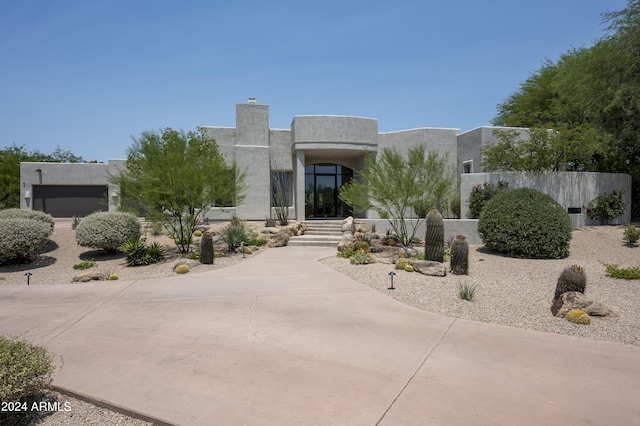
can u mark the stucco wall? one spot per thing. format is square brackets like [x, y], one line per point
[452, 227]
[569, 189]
[311, 132]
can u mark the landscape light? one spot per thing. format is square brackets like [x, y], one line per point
[392, 274]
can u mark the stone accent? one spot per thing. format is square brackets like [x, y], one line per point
[88, 276]
[576, 300]
[427, 267]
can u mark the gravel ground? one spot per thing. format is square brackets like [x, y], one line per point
[513, 292]
[518, 292]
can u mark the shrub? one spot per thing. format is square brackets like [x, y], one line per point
[481, 194]
[182, 269]
[256, 242]
[577, 316]
[86, 264]
[139, 254]
[22, 240]
[525, 223]
[614, 271]
[361, 258]
[25, 369]
[28, 214]
[235, 233]
[346, 253]
[607, 206]
[107, 230]
[631, 235]
[361, 245]
[467, 291]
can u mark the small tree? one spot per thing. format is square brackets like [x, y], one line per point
[397, 187]
[176, 177]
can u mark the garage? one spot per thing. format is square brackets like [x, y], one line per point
[70, 200]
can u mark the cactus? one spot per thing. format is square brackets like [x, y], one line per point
[197, 233]
[206, 248]
[402, 263]
[460, 255]
[434, 238]
[182, 269]
[361, 245]
[408, 268]
[572, 278]
[577, 316]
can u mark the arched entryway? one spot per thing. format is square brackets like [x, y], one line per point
[322, 183]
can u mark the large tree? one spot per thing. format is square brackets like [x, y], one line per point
[397, 187]
[595, 88]
[176, 177]
[10, 159]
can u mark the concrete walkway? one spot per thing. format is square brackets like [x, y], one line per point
[280, 339]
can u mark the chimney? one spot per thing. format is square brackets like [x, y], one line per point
[252, 101]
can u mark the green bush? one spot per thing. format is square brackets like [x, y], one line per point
[481, 194]
[28, 214]
[107, 230]
[25, 369]
[22, 240]
[631, 234]
[614, 271]
[140, 254]
[467, 291]
[256, 242]
[525, 223]
[361, 258]
[346, 253]
[607, 206]
[86, 264]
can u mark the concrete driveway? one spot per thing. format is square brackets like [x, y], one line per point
[280, 339]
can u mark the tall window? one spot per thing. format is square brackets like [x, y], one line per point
[281, 189]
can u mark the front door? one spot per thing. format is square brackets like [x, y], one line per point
[322, 184]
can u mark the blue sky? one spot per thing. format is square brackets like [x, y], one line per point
[89, 75]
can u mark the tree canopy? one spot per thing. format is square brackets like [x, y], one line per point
[176, 177]
[395, 186]
[594, 89]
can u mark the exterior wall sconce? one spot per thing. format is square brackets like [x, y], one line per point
[27, 195]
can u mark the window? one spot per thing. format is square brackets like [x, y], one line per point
[467, 166]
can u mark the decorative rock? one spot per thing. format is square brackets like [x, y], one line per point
[347, 225]
[431, 268]
[361, 227]
[88, 276]
[391, 240]
[346, 242]
[411, 252]
[279, 240]
[191, 263]
[576, 300]
[269, 230]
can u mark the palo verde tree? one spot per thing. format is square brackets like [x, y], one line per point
[176, 177]
[399, 187]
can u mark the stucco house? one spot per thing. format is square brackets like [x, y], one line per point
[312, 158]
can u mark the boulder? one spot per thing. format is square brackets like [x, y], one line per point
[347, 225]
[427, 267]
[362, 227]
[279, 240]
[191, 263]
[346, 242]
[269, 230]
[410, 251]
[88, 276]
[576, 300]
[391, 240]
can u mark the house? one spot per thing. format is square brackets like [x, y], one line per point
[311, 161]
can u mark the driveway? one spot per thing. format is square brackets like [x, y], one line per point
[280, 339]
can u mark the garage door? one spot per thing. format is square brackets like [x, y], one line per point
[70, 200]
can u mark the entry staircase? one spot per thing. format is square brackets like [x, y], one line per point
[319, 233]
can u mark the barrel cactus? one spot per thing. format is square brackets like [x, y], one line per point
[182, 269]
[577, 316]
[434, 238]
[573, 278]
[206, 248]
[460, 255]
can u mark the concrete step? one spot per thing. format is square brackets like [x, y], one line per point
[315, 240]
